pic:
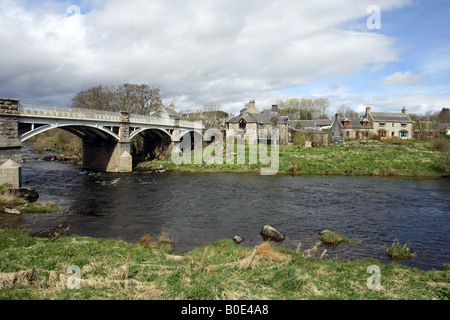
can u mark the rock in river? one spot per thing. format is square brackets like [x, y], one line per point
[270, 233]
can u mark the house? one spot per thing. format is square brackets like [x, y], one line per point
[165, 112]
[250, 121]
[382, 125]
[390, 125]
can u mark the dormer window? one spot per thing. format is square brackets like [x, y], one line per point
[365, 123]
[242, 124]
[347, 123]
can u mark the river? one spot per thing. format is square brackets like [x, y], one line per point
[197, 209]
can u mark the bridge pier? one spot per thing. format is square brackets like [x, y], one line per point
[10, 145]
[110, 156]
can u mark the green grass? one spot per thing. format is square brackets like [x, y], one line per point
[333, 238]
[116, 270]
[40, 207]
[397, 251]
[416, 160]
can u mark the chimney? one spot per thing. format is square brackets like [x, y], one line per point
[404, 111]
[172, 106]
[337, 116]
[251, 104]
[367, 112]
[274, 108]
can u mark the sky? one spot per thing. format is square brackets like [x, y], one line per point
[383, 53]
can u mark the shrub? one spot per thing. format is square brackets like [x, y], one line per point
[445, 163]
[397, 251]
[441, 144]
[299, 139]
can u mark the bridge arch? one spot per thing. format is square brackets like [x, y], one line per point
[83, 131]
[140, 131]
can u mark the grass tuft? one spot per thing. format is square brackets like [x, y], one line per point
[397, 251]
[333, 238]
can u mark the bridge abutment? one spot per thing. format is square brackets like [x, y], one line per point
[10, 145]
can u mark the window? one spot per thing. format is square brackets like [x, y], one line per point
[242, 124]
[403, 125]
[347, 123]
[382, 134]
[382, 124]
[348, 134]
[404, 134]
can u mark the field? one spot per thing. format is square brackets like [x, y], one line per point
[417, 159]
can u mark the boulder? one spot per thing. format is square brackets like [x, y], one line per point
[12, 210]
[28, 194]
[238, 239]
[270, 233]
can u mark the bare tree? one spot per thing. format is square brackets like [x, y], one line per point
[133, 98]
[347, 112]
[98, 97]
[442, 119]
[304, 109]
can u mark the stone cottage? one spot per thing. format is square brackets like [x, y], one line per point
[373, 124]
[250, 121]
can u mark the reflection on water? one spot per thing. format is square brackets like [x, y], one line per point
[200, 208]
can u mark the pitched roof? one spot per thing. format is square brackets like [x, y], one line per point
[248, 117]
[303, 123]
[324, 122]
[390, 117]
[355, 123]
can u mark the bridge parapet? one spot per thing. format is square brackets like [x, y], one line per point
[49, 111]
[57, 112]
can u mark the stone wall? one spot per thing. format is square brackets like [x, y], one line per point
[10, 145]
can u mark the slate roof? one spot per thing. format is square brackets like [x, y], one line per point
[324, 122]
[248, 117]
[390, 117]
[303, 123]
[264, 117]
[356, 123]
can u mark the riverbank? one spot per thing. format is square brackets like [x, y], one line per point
[114, 269]
[23, 200]
[416, 160]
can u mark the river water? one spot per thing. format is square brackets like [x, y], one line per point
[197, 209]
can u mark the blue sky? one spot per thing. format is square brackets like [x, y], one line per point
[230, 52]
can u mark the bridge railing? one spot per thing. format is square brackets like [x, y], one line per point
[34, 109]
[50, 111]
[136, 118]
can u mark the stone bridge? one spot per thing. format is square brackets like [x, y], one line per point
[106, 135]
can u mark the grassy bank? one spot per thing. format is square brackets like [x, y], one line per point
[114, 269]
[417, 159]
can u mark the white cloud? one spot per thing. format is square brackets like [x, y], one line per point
[197, 51]
[404, 78]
